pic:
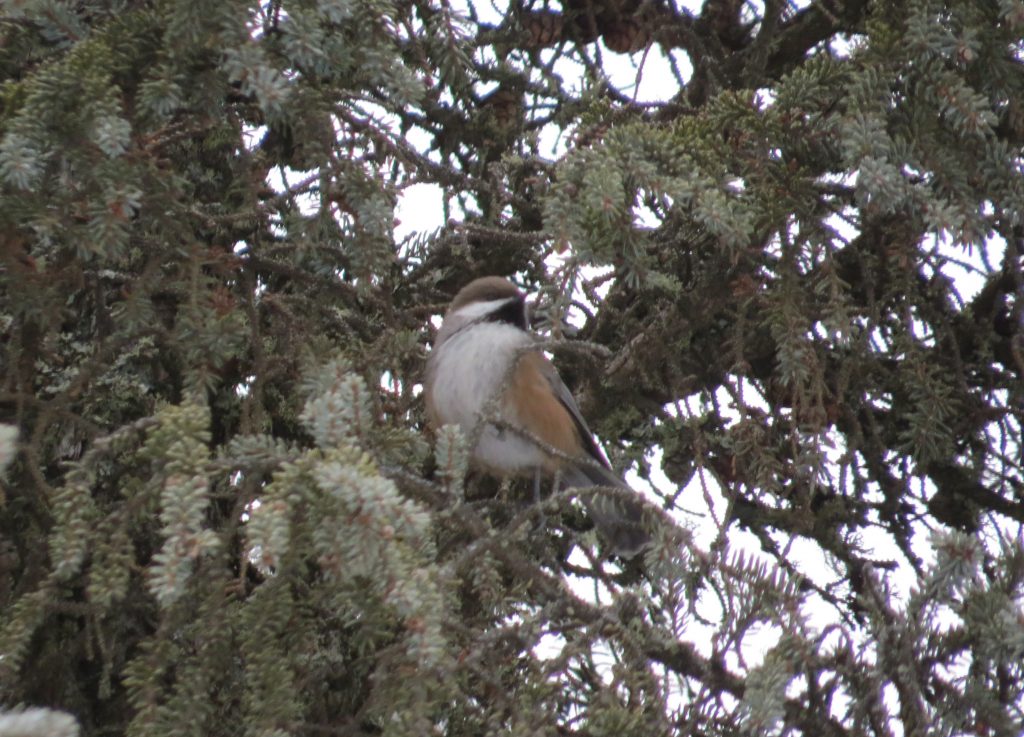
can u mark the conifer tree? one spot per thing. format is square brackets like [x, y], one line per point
[786, 287]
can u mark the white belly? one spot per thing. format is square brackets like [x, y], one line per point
[469, 370]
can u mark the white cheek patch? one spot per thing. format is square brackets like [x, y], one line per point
[478, 309]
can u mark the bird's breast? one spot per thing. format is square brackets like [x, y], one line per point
[468, 370]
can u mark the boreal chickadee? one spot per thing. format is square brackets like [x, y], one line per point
[484, 332]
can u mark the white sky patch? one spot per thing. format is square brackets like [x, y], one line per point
[549, 646]
[286, 179]
[420, 209]
[968, 267]
[252, 135]
[646, 75]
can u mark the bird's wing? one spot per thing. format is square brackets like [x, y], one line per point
[618, 518]
[561, 391]
[559, 423]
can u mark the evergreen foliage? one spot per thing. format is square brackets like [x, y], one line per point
[797, 285]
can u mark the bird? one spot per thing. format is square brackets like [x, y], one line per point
[485, 359]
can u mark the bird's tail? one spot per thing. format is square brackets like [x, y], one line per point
[615, 511]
